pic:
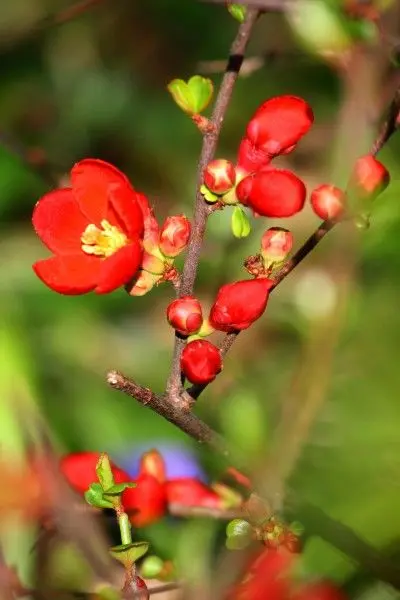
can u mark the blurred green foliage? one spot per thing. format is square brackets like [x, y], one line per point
[96, 86]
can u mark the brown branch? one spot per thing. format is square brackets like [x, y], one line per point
[183, 419]
[390, 125]
[201, 211]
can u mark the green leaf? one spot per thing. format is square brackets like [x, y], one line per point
[240, 223]
[118, 488]
[94, 497]
[208, 196]
[104, 472]
[192, 96]
[151, 567]
[202, 91]
[238, 11]
[129, 553]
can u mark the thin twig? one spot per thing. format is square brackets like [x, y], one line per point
[180, 510]
[201, 211]
[390, 125]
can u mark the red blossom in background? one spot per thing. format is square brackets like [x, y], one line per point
[201, 361]
[152, 463]
[185, 315]
[145, 503]
[187, 491]
[239, 304]
[94, 228]
[328, 201]
[174, 235]
[273, 193]
[79, 469]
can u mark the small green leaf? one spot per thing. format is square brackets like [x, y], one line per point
[94, 497]
[151, 567]
[129, 553]
[208, 196]
[238, 527]
[202, 91]
[238, 11]
[240, 223]
[192, 96]
[104, 472]
[118, 488]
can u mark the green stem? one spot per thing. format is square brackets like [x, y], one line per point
[125, 528]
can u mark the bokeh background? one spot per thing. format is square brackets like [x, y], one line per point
[327, 349]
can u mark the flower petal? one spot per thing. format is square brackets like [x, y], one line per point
[124, 210]
[69, 275]
[119, 268]
[58, 221]
[92, 182]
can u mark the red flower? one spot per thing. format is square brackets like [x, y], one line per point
[328, 201]
[146, 503]
[79, 468]
[369, 178]
[201, 361]
[239, 304]
[185, 315]
[273, 193]
[94, 228]
[219, 176]
[279, 123]
[187, 491]
[174, 235]
[276, 243]
[250, 157]
[266, 578]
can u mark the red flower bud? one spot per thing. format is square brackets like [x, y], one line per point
[152, 463]
[239, 304]
[276, 243]
[185, 315]
[272, 193]
[369, 178]
[187, 491]
[279, 123]
[320, 590]
[139, 588]
[328, 201]
[79, 468]
[146, 503]
[201, 361]
[174, 235]
[219, 176]
[250, 157]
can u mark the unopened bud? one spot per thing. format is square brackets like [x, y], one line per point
[185, 315]
[201, 361]
[174, 235]
[276, 244]
[152, 463]
[328, 201]
[219, 176]
[369, 178]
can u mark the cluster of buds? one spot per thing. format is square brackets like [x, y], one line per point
[104, 235]
[273, 534]
[236, 306]
[154, 493]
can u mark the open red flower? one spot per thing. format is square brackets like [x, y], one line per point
[188, 491]
[94, 228]
[239, 304]
[145, 503]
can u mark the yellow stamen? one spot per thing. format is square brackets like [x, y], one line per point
[102, 242]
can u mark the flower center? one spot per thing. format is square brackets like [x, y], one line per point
[102, 242]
